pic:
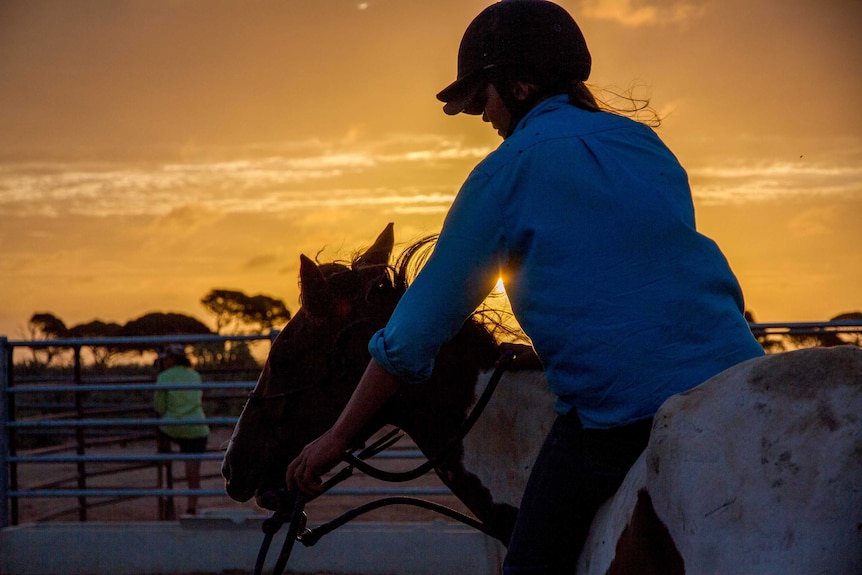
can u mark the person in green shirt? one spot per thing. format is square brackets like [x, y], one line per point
[173, 404]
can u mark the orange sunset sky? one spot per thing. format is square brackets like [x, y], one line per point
[151, 150]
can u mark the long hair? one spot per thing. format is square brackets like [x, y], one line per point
[636, 108]
[622, 102]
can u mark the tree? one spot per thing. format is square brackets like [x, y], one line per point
[817, 339]
[237, 312]
[44, 326]
[97, 328]
[850, 338]
[227, 306]
[265, 312]
[158, 323]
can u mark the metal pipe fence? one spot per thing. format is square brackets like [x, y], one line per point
[80, 433]
[77, 431]
[852, 327]
[93, 428]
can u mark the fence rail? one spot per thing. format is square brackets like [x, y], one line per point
[807, 328]
[82, 423]
[90, 429]
[210, 385]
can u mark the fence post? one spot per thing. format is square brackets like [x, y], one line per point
[81, 446]
[5, 355]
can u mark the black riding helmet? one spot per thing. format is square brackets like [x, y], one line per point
[534, 41]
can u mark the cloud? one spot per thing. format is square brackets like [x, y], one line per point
[261, 261]
[401, 174]
[637, 13]
[302, 175]
[819, 221]
[181, 222]
[739, 182]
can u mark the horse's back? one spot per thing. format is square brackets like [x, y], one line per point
[758, 470]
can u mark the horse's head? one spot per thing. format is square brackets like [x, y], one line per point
[313, 366]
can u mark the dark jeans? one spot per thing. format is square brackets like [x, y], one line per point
[575, 472]
[187, 445]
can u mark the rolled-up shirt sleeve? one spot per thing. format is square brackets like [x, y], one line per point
[460, 273]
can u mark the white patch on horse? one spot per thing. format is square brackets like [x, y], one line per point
[501, 447]
[756, 470]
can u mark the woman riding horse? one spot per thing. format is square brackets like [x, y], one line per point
[588, 219]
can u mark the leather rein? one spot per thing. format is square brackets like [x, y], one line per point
[290, 507]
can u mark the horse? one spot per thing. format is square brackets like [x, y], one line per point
[755, 470]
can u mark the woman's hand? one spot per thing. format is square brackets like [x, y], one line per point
[304, 473]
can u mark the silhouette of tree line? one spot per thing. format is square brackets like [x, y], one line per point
[236, 313]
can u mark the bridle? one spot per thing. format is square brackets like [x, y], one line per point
[290, 507]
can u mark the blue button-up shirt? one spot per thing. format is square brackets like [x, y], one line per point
[588, 218]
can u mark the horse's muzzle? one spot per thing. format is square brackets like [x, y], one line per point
[239, 487]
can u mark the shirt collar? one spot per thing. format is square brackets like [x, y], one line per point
[546, 105]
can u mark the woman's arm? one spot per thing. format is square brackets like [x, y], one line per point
[373, 391]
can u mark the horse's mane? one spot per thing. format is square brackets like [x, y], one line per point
[491, 315]
[411, 260]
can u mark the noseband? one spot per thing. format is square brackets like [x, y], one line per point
[290, 507]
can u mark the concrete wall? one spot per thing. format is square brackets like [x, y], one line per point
[217, 544]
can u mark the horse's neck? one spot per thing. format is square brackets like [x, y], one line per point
[502, 446]
[489, 473]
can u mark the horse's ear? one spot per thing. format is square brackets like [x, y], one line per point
[313, 289]
[378, 254]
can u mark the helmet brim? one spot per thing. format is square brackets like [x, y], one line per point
[458, 95]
